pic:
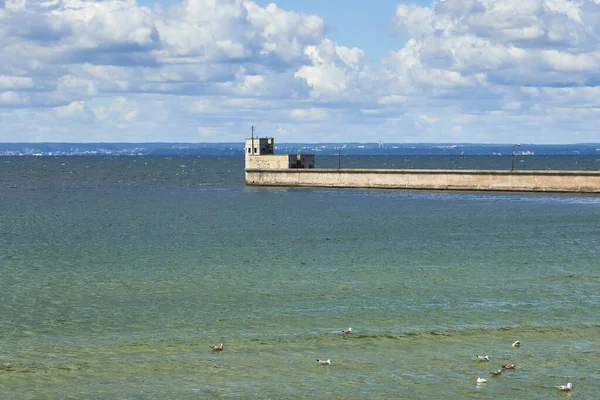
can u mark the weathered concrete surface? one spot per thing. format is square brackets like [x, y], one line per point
[502, 180]
[280, 161]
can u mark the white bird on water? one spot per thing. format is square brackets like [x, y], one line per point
[217, 347]
[483, 358]
[565, 388]
[324, 362]
[481, 380]
[516, 344]
[347, 331]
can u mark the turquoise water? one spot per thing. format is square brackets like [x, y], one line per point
[118, 273]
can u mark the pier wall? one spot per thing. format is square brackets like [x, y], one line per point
[478, 180]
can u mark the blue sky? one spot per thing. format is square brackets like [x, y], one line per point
[452, 71]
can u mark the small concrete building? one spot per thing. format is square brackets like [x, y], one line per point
[260, 154]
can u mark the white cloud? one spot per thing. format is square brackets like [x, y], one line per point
[281, 132]
[371, 111]
[311, 114]
[481, 70]
[93, 24]
[201, 107]
[430, 120]
[11, 98]
[206, 132]
[130, 116]
[77, 110]
[15, 82]
[15, 5]
[392, 98]
[282, 32]
[512, 106]
[118, 111]
[334, 70]
[79, 87]
[482, 56]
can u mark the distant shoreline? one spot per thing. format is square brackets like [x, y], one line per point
[322, 149]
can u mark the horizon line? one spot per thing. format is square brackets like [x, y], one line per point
[324, 143]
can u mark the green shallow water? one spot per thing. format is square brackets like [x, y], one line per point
[118, 273]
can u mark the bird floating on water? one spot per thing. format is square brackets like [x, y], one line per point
[565, 388]
[347, 331]
[217, 347]
[496, 372]
[516, 344]
[481, 380]
[324, 362]
[509, 366]
[483, 358]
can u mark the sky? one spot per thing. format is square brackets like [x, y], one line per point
[302, 71]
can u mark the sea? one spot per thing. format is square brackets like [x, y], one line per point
[117, 274]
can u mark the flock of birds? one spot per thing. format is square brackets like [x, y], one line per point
[220, 347]
[498, 372]
[480, 381]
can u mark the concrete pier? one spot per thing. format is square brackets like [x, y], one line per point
[476, 180]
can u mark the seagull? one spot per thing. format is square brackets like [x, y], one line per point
[509, 366]
[481, 380]
[497, 372]
[565, 388]
[324, 362]
[483, 358]
[516, 344]
[217, 347]
[347, 331]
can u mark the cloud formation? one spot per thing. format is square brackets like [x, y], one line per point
[504, 66]
[205, 70]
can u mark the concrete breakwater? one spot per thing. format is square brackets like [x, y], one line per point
[477, 180]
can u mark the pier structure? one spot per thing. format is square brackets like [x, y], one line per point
[264, 168]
